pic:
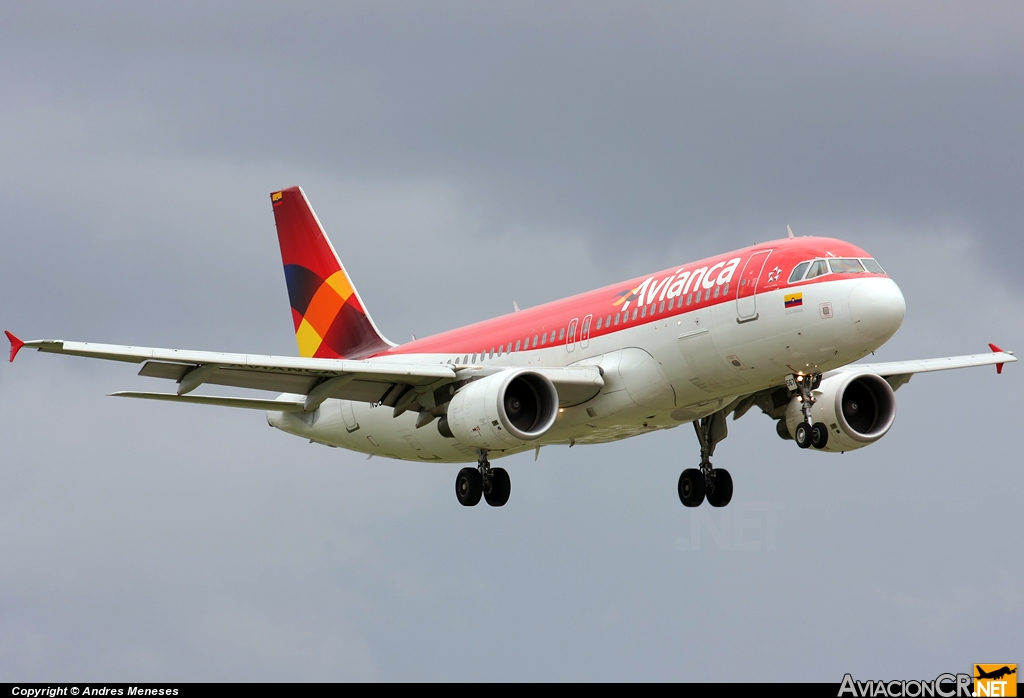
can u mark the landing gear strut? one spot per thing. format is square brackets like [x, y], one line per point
[493, 484]
[805, 434]
[707, 482]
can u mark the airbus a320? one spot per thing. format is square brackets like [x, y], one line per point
[777, 325]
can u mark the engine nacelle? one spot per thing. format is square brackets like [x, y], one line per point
[503, 410]
[857, 407]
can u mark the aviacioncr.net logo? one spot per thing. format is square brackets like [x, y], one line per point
[995, 680]
[943, 686]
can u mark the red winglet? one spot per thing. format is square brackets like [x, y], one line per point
[993, 347]
[16, 344]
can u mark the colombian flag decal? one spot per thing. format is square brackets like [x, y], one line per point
[794, 300]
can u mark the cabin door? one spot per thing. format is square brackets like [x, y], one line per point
[746, 300]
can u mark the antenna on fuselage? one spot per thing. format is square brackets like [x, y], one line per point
[515, 305]
[790, 231]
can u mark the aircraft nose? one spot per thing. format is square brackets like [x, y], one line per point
[877, 308]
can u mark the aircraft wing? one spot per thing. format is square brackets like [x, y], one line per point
[385, 380]
[899, 373]
[773, 401]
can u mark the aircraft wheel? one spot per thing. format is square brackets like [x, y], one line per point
[803, 435]
[819, 435]
[501, 488]
[722, 494]
[691, 487]
[469, 485]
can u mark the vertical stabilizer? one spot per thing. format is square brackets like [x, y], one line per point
[329, 317]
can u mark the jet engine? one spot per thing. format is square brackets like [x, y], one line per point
[857, 408]
[501, 411]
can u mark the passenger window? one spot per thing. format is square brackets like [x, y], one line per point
[643, 312]
[817, 269]
[846, 266]
[465, 359]
[716, 291]
[535, 338]
[586, 327]
[725, 290]
[599, 321]
[561, 333]
[491, 355]
[508, 349]
[661, 307]
[671, 303]
[543, 338]
[616, 319]
[519, 343]
[873, 266]
[798, 272]
[707, 294]
[635, 311]
[689, 298]
[607, 321]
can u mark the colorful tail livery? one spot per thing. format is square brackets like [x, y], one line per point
[330, 319]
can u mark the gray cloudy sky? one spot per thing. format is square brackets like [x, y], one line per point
[462, 156]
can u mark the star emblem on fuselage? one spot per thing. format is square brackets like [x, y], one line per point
[774, 274]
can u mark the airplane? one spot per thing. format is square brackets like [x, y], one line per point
[997, 674]
[777, 325]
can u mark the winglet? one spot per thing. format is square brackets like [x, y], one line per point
[16, 344]
[993, 347]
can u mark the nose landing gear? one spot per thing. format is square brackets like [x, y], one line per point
[707, 482]
[806, 434]
[493, 484]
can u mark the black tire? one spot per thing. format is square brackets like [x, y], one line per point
[501, 488]
[819, 435]
[722, 493]
[802, 435]
[469, 485]
[691, 487]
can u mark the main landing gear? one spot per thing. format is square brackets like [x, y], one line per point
[707, 482]
[806, 434]
[493, 484]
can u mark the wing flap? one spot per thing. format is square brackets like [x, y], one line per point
[160, 369]
[242, 402]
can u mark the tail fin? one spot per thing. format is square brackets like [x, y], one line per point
[330, 318]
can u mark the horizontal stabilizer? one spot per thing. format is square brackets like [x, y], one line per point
[243, 402]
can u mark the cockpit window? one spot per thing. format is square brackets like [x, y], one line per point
[798, 272]
[846, 266]
[873, 266]
[818, 268]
